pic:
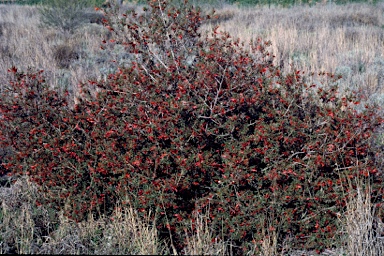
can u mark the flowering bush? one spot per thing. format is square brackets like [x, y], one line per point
[194, 122]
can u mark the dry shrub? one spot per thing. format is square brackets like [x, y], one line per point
[64, 54]
[355, 19]
[94, 17]
[65, 15]
[222, 16]
[4, 26]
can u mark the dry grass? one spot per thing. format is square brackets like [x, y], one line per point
[201, 241]
[365, 232]
[125, 234]
[66, 60]
[26, 228]
[22, 225]
[348, 40]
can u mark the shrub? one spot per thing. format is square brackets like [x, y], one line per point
[64, 54]
[193, 123]
[65, 15]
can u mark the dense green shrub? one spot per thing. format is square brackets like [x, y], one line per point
[195, 123]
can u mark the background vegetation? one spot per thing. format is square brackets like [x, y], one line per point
[284, 3]
[40, 225]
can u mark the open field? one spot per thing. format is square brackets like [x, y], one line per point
[346, 40]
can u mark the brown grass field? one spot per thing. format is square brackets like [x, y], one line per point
[343, 39]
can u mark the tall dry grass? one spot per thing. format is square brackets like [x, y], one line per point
[26, 228]
[364, 232]
[344, 39]
[66, 60]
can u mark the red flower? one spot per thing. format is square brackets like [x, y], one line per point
[109, 133]
[13, 70]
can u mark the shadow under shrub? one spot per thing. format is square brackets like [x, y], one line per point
[195, 122]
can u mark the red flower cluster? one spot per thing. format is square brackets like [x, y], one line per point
[226, 131]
